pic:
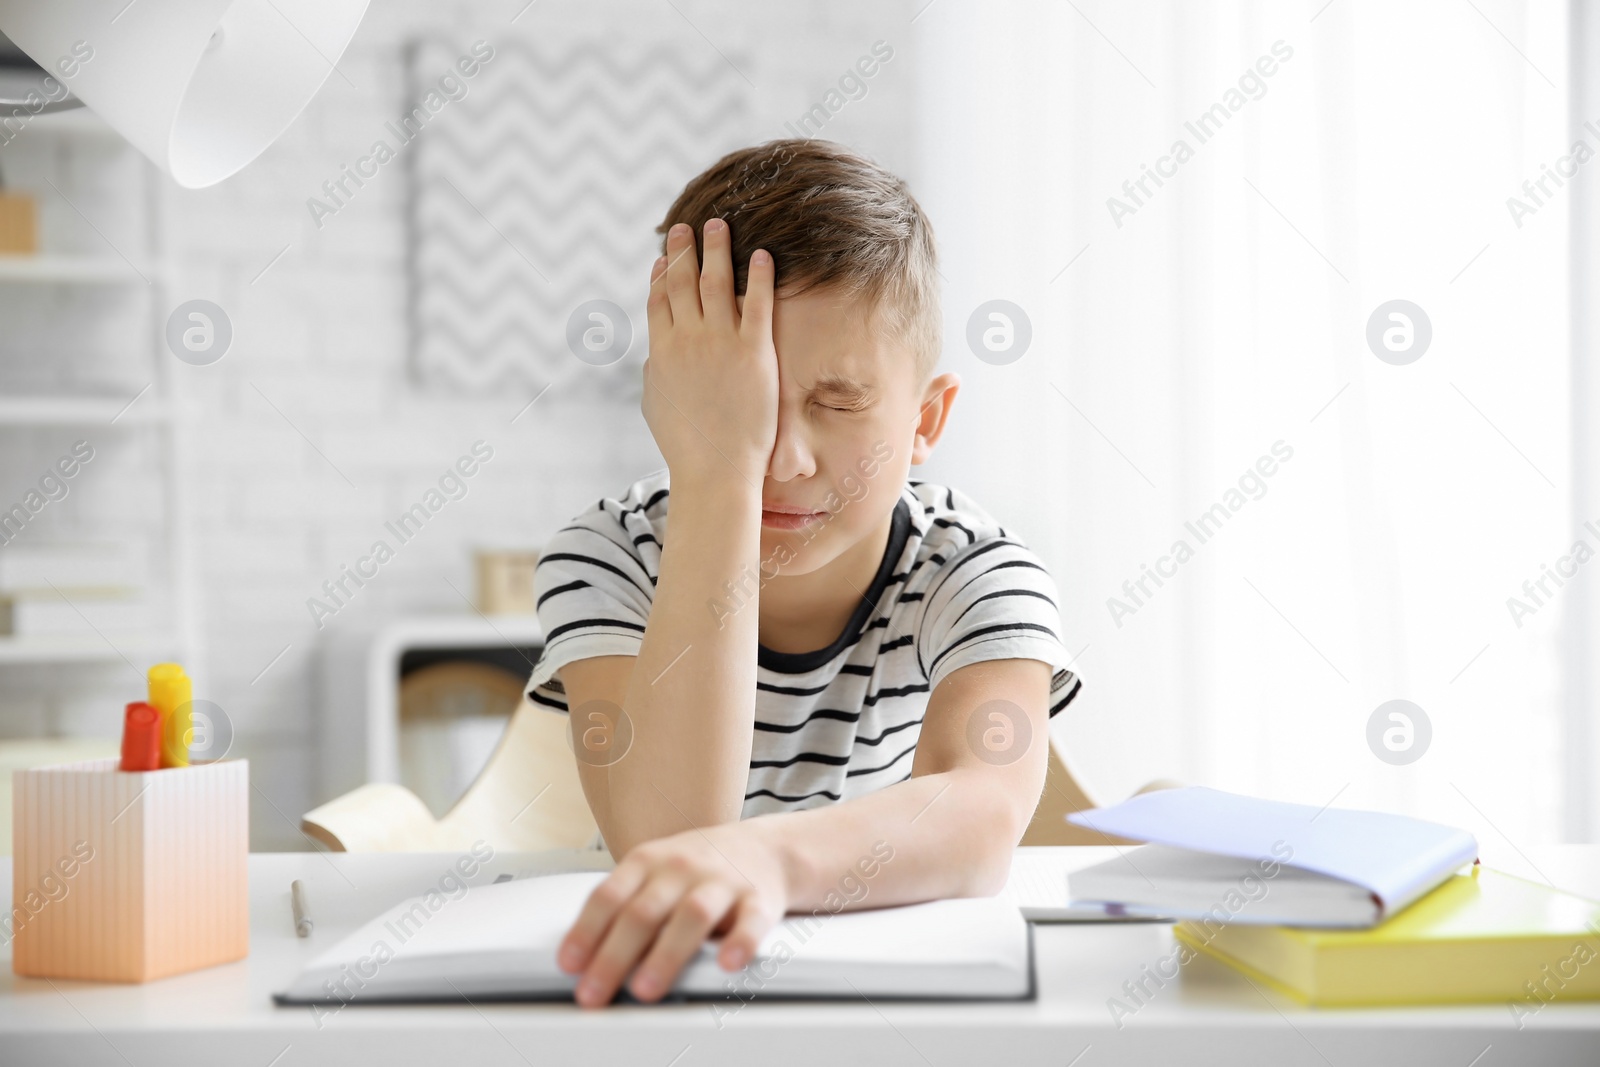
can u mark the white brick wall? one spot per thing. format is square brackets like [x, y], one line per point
[323, 334]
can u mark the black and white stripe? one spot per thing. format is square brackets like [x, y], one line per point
[953, 589]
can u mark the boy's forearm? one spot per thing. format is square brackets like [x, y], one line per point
[948, 834]
[691, 695]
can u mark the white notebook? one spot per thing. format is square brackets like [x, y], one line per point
[1245, 860]
[498, 942]
[1038, 887]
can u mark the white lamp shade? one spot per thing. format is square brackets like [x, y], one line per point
[202, 87]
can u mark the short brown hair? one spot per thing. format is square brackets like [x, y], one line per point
[831, 219]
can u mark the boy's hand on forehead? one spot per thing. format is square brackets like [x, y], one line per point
[711, 379]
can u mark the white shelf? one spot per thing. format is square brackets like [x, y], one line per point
[89, 649]
[74, 270]
[133, 271]
[46, 410]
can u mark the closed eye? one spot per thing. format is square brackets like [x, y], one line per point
[834, 392]
[848, 410]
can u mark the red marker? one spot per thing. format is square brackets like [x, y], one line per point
[141, 738]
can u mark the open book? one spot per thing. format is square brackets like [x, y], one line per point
[498, 942]
[1252, 861]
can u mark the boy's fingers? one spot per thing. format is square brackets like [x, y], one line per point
[683, 274]
[716, 273]
[658, 308]
[628, 938]
[681, 937]
[749, 927]
[756, 320]
[577, 948]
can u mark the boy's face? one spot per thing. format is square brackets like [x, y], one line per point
[853, 416]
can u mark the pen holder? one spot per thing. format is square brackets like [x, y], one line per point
[125, 876]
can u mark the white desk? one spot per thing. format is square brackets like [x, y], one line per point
[1210, 1015]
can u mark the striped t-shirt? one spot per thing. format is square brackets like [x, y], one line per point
[839, 722]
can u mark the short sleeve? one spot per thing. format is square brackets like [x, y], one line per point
[994, 600]
[592, 594]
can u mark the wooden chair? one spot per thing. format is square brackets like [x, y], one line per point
[528, 798]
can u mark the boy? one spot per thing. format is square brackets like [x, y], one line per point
[797, 676]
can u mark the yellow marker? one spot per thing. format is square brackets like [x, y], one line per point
[171, 695]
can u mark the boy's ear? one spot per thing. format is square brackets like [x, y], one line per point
[936, 402]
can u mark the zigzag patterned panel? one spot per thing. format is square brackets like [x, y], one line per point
[539, 190]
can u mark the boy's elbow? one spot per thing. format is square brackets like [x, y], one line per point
[991, 879]
[993, 871]
[999, 834]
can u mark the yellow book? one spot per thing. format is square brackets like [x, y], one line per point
[1480, 937]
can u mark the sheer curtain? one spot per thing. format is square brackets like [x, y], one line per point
[1200, 347]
